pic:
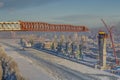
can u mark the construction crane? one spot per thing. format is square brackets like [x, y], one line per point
[109, 29]
[40, 26]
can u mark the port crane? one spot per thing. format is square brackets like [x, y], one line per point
[109, 29]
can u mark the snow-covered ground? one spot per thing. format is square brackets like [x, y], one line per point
[37, 65]
[27, 67]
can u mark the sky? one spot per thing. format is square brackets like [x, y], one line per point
[76, 12]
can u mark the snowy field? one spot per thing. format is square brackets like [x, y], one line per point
[37, 65]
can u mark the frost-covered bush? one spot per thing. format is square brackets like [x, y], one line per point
[8, 67]
[0, 71]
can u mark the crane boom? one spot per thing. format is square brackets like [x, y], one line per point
[47, 27]
[105, 25]
[40, 26]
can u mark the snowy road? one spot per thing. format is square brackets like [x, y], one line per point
[27, 67]
[37, 65]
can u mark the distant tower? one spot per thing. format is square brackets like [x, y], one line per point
[102, 49]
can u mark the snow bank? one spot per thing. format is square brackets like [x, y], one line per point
[8, 67]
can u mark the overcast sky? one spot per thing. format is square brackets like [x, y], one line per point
[78, 12]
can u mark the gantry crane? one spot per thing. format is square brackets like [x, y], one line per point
[109, 29]
[40, 26]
